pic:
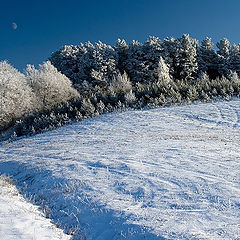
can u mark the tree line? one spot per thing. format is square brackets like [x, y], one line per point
[89, 79]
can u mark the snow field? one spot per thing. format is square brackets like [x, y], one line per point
[166, 173]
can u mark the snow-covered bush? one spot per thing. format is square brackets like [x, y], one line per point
[50, 86]
[16, 97]
[121, 89]
[121, 83]
[234, 77]
[87, 108]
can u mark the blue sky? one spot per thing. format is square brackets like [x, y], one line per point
[45, 26]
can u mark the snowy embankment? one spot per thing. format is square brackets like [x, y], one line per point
[166, 173]
[20, 220]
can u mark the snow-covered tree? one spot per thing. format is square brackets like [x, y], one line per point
[208, 59]
[186, 65]
[162, 72]
[121, 49]
[16, 97]
[105, 61]
[135, 65]
[169, 53]
[234, 59]
[204, 77]
[153, 50]
[66, 60]
[95, 64]
[206, 54]
[142, 60]
[50, 86]
[181, 57]
[223, 47]
[223, 51]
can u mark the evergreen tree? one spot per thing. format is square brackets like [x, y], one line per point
[153, 50]
[94, 64]
[162, 72]
[121, 49]
[208, 59]
[105, 62]
[142, 60]
[169, 54]
[223, 51]
[234, 59]
[233, 76]
[186, 65]
[134, 64]
[66, 60]
[223, 47]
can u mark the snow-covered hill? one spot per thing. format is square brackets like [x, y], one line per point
[166, 173]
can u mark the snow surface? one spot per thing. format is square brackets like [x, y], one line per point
[166, 173]
[20, 220]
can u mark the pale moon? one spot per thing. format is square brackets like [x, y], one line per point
[14, 25]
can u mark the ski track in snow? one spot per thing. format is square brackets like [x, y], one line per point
[20, 220]
[166, 173]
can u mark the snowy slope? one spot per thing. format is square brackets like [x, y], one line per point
[20, 220]
[167, 173]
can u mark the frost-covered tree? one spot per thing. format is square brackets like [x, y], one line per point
[223, 47]
[234, 59]
[50, 86]
[204, 77]
[181, 57]
[208, 59]
[121, 49]
[73, 62]
[95, 64]
[162, 72]
[135, 65]
[105, 61]
[153, 50]
[169, 53]
[186, 65]
[16, 97]
[223, 51]
[206, 54]
[66, 60]
[142, 60]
